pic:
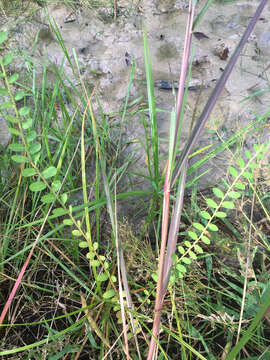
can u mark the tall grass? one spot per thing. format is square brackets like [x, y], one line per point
[97, 283]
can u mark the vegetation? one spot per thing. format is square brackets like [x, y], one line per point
[77, 280]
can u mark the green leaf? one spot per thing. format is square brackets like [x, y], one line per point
[94, 263]
[220, 214]
[13, 78]
[234, 194]
[192, 235]
[6, 105]
[7, 59]
[95, 246]
[198, 249]
[192, 255]
[254, 166]
[19, 95]
[218, 192]
[205, 239]
[205, 215]
[109, 294]
[35, 157]
[174, 258]
[232, 171]
[241, 162]
[247, 175]
[113, 278]
[19, 158]
[76, 232]
[49, 172]
[198, 226]
[34, 148]
[186, 260]
[16, 147]
[106, 265]
[212, 227]
[64, 198]
[27, 124]
[3, 91]
[248, 154]
[228, 204]
[24, 110]
[211, 203]
[83, 244]
[239, 186]
[28, 172]
[59, 211]
[31, 136]
[48, 198]
[155, 277]
[181, 268]
[14, 131]
[181, 249]
[187, 243]
[37, 186]
[11, 118]
[102, 277]
[68, 222]
[3, 36]
[56, 185]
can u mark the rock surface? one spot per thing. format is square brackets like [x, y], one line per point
[105, 47]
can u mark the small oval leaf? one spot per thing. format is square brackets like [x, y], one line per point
[16, 147]
[37, 186]
[241, 163]
[49, 172]
[83, 244]
[188, 243]
[14, 131]
[24, 110]
[34, 148]
[68, 222]
[109, 294]
[206, 240]
[198, 226]
[3, 36]
[19, 158]
[59, 211]
[181, 249]
[211, 203]
[205, 215]
[76, 232]
[198, 249]
[192, 255]
[239, 186]
[31, 136]
[212, 227]
[28, 172]
[220, 214]
[6, 105]
[48, 198]
[27, 124]
[13, 78]
[186, 260]
[218, 192]
[234, 194]
[102, 277]
[228, 204]
[232, 171]
[19, 95]
[7, 59]
[181, 268]
[192, 235]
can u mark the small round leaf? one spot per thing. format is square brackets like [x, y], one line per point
[109, 294]
[37, 186]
